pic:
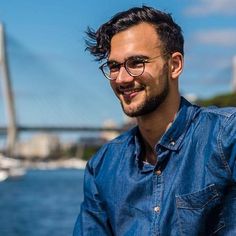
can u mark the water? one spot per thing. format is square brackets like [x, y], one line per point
[41, 203]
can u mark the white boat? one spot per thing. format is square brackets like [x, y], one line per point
[10, 168]
[3, 175]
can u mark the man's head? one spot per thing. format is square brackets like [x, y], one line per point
[169, 32]
[144, 52]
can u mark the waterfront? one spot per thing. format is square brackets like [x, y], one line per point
[41, 203]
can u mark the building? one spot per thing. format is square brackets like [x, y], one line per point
[41, 146]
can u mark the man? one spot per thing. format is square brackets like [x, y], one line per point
[173, 174]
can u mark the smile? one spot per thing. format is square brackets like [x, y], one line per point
[130, 91]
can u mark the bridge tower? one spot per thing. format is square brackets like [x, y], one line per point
[8, 96]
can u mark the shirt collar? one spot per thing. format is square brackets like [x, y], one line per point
[174, 136]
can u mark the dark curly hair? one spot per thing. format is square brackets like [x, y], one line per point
[98, 42]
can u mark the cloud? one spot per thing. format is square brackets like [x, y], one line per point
[206, 7]
[220, 37]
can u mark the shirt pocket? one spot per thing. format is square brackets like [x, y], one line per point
[200, 213]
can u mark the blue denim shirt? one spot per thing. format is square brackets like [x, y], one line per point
[190, 191]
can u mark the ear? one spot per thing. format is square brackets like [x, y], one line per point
[177, 63]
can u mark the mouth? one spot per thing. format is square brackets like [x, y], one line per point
[129, 93]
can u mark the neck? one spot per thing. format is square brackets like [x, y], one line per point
[153, 125]
[148, 154]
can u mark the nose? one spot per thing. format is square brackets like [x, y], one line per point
[123, 76]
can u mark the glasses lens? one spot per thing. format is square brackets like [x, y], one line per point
[110, 70]
[106, 71]
[135, 66]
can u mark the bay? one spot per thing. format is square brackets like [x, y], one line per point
[41, 203]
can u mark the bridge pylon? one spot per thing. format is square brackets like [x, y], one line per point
[8, 96]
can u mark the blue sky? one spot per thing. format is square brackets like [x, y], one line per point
[56, 82]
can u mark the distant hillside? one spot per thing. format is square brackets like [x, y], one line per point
[223, 100]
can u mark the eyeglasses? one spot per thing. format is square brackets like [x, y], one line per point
[135, 66]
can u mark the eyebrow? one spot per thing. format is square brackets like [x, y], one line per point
[131, 57]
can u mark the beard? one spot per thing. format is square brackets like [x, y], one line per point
[152, 103]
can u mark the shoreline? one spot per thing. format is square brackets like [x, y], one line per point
[11, 168]
[12, 163]
[72, 163]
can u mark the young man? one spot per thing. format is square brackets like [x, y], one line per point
[173, 174]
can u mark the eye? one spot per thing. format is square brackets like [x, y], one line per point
[135, 63]
[113, 66]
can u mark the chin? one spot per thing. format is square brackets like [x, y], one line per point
[131, 110]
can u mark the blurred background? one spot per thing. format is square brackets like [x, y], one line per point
[57, 109]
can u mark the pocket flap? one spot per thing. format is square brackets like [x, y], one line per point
[197, 199]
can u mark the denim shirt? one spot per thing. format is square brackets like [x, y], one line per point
[190, 191]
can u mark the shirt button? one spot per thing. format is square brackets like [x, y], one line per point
[172, 143]
[158, 172]
[157, 209]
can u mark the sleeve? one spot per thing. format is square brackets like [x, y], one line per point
[227, 143]
[92, 219]
[229, 155]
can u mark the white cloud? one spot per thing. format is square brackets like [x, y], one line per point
[221, 37]
[206, 7]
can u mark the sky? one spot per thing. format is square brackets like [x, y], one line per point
[56, 82]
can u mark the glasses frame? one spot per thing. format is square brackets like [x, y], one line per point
[124, 64]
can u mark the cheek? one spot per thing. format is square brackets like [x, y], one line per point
[151, 80]
[155, 76]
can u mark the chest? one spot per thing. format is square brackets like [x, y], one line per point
[184, 185]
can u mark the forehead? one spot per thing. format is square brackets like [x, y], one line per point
[141, 39]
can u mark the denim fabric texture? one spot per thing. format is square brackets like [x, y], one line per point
[190, 191]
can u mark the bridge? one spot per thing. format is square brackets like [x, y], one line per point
[12, 127]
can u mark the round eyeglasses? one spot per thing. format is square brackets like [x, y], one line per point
[135, 66]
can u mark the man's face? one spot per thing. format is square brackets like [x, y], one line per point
[143, 94]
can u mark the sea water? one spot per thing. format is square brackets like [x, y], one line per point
[41, 203]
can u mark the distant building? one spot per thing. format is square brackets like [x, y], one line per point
[109, 135]
[39, 146]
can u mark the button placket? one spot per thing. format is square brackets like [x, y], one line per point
[157, 195]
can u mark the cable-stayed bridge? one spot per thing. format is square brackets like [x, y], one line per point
[42, 101]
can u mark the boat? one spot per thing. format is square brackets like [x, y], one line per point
[10, 168]
[3, 175]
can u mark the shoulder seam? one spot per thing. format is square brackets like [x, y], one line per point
[225, 111]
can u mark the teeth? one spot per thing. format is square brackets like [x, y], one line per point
[126, 92]
[129, 92]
